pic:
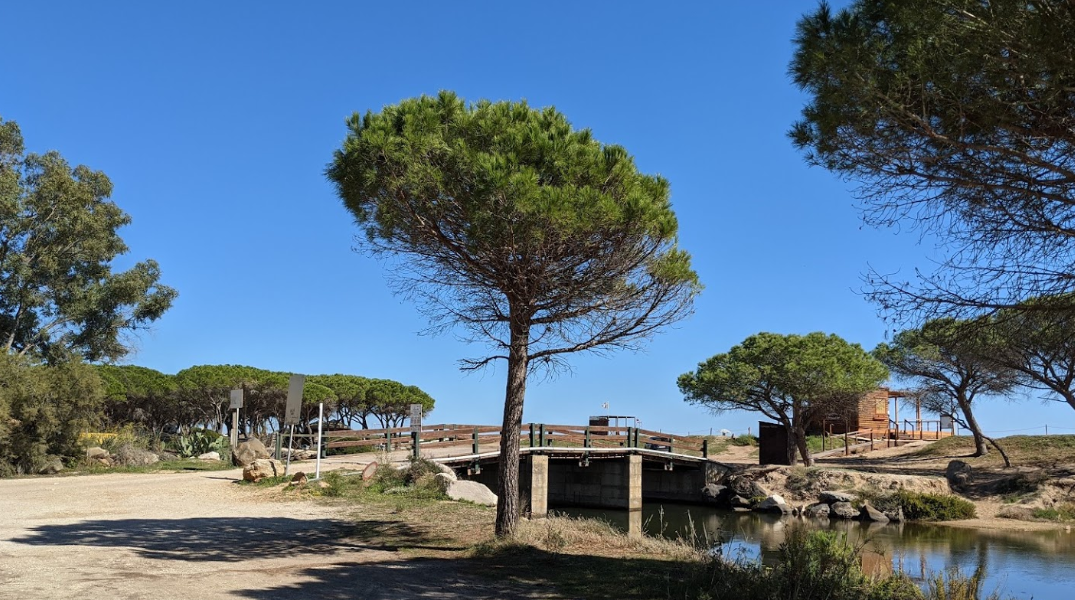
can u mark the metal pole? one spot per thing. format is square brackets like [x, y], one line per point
[290, 443]
[320, 418]
[235, 428]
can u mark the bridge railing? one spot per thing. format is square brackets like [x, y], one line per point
[474, 439]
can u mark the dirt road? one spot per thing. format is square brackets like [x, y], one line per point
[198, 536]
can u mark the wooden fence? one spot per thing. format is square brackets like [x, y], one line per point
[474, 439]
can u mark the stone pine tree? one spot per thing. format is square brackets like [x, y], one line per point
[1038, 341]
[795, 380]
[58, 237]
[949, 362]
[955, 117]
[526, 233]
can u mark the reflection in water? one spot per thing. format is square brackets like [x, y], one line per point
[1038, 564]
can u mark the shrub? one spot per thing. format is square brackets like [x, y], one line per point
[200, 441]
[811, 566]
[746, 439]
[43, 410]
[934, 507]
[1062, 512]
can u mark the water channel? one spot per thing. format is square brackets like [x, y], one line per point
[1023, 564]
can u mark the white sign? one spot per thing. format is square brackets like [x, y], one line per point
[416, 417]
[293, 409]
[236, 399]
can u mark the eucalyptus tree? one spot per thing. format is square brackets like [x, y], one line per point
[795, 380]
[58, 240]
[955, 117]
[951, 363]
[527, 234]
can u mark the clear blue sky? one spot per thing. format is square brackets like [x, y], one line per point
[215, 121]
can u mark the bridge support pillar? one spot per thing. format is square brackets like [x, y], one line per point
[634, 482]
[634, 495]
[539, 486]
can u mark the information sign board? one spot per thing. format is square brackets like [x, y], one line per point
[416, 417]
[293, 408]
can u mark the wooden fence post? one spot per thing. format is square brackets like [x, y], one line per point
[705, 448]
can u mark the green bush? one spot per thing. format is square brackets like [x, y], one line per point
[746, 439]
[43, 410]
[1062, 512]
[934, 507]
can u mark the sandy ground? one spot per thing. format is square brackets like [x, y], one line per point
[199, 536]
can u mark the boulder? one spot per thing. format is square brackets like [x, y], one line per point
[869, 513]
[774, 503]
[958, 474]
[843, 510]
[96, 452]
[714, 494]
[262, 468]
[744, 485]
[832, 497]
[209, 456]
[471, 491]
[133, 456]
[369, 471]
[817, 511]
[447, 471]
[738, 502]
[248, 451]
[443, 481]
[51, 466]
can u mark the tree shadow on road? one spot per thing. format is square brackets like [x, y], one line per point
[232, 539]
[519, 572]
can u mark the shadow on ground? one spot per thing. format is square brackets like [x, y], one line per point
[524, 573]
[228, 539]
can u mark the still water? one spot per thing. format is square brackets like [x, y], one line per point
[1024, 564]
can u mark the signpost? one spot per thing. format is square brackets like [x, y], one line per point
[293, 412]
[236, 404]
[320, 419]
[416, 428]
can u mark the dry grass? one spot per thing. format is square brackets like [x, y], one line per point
[579, 536]
[1044, 451]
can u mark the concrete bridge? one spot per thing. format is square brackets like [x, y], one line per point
[565, 465]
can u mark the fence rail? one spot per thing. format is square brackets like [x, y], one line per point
[531, 435]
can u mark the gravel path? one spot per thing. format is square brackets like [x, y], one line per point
[198, 536]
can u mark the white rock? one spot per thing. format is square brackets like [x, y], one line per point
[209, 456]
[471, 491]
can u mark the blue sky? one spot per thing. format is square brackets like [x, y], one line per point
[215, 122]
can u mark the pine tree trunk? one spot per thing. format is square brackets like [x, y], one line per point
[980, 447]
[507, 506]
